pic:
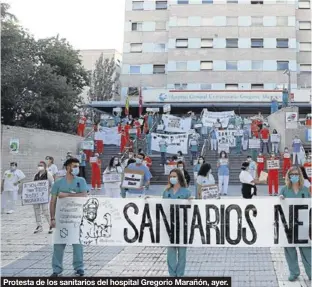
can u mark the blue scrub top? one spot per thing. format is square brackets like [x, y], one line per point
[223, 169]
[182, 193]
[77, 185]
[289, 193]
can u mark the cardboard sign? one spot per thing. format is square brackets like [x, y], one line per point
[132, 179]
[254, 143]
[309, 171]
[260, 159]
[208, 191]
[275, 138]
[263, 177]
[111, 177]
[273, 164]
[193, 142]
[35, 192]
[198, 126]
[223, 147]
[169, 168]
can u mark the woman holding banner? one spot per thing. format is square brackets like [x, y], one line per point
[112, 187]
[294, 188]
[204, 178]
[176, 189]
[223, 173]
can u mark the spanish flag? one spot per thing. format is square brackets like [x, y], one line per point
[127, 106]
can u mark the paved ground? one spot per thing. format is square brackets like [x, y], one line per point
[26, 254]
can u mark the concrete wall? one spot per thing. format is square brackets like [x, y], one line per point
[35, 145]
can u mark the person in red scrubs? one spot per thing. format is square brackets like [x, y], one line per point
[260, 163]
[273, 178]
[81, 125]
[96, 173]
[286, 161]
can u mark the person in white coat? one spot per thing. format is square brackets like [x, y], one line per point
[112, 186]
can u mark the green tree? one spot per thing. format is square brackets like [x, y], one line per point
[104, 84]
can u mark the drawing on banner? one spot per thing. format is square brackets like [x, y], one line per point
[175, 143]
[275, 138]
[223, 147]
[35, 192]
[111, 177]
[14, 146]
[254, 143]
[169, 168]
[87, 145]
[175, 124]
[132, 179]
[90, 230]
[291, 120]
[209, 191]
[209, 119]
[273, 164]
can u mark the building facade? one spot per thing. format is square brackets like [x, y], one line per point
[206, 45]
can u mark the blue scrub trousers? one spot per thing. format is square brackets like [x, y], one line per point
[238, 145]
[292, 260]
[149, 147]
[194, 155]
[176, 267]
[58, 254]
[163, 158]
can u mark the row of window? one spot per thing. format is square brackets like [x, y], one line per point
[209, 66]
[163, 5]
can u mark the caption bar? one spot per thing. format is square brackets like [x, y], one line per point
[117, 281]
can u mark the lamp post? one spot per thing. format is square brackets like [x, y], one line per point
[287, 72]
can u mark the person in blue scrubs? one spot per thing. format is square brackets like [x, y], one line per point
[295, 188]
[176, 189]
[69, 186]
[148, 137]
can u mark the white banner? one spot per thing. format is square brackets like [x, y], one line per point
[210, 118]
[262, 222]
[35, 192]
[178, 142]
[175, 124]
[109, 136]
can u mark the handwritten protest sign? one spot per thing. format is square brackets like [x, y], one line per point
[35, 192]
[273, 164]
[309, 171]
[275, 138]
[254, 143]
[260, 159]
[209, 191]
[111, 177]
[87, 145]
[93, 159]
[132, 179]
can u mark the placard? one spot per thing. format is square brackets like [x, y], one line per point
[169, 168]
[14, 146]
[160, 127]
[111, 177]
[87, 145]
[254, 143]
[132, 179]
[209, 191]
[291, 120]
[167, 108]
[263, 178]
[264, 222]
[223, 147]
[273, 164]
[275, 138]
[309, 171]
[93, 159]
[35, 192]
[260, 159]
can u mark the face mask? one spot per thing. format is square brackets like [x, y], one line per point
[249, 159]
[116, 162]
[40, 168]
[138, 160]
[223, 155]
[75, 171]
[286, 150]
[180, 167]
[173, 180]
[12, 168]
[294, 178]
[201, 161]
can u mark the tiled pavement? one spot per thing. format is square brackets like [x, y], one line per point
[26, 254]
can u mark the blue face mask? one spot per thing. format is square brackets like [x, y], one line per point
[75, 171]
[294, 178]
[173, 180]
[138, 160]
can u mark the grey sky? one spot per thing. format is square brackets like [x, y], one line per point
[92, 24]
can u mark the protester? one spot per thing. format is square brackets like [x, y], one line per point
[194, 145]
[138, 165]
[275, 142]
[11, 180]
[204, 177]
[252, 166]
[163, 150]
[223, 173]
[307, 181]
[69, 155]
[180, 156]
[181, 166]
[69, 186]
[112, 189]
[286, 161]
[294, 188]
[296, 145]
[176, 189]
[51, 167]
[308, 166]
[248, 182]
[260, 164]
[273, 179]
[245, 138]
[42, 209]
[124, 137]
[274, 105]
[214, 138]
[265, 136]
[238, 141]
[96, 173]
[148, 138]
[81, 125]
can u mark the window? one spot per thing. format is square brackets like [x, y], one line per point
[161, 5]
[282, 65]
[205, 86]
[281, 43]
[256, 2]
[256, 43]
[257, 65]
[182, 21]
[231, 21]
[231, 86]
[257, 86]
[207, 1]
[232, 1]
[206, 21]
[305, 68]
[256, 21]
[282, 21]
[232, 43]
[181, 66]
[160, 26]
[160, 48]
[136, 26]
[304, 25]
[206, 65]
[206, 43]
[181, 43]
[135, 69]
[136, 48]
[159, 69]
[183, 1]
[137, 5]
[180, 86]
[133, 91]
[231, 65]
[304, 4]
[305, 47]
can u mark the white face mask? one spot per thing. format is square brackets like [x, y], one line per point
[40, 168]
[223, 155]
[180, 167]
[201, 161]
[116, 162]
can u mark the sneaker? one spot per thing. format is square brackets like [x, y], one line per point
[80, 273]
[38, 229]
[50, 230]
[56, 274]
[10, 211]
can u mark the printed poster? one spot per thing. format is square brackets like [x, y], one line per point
[14, 146]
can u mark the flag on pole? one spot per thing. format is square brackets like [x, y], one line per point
[127, 106]
[140, 102]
